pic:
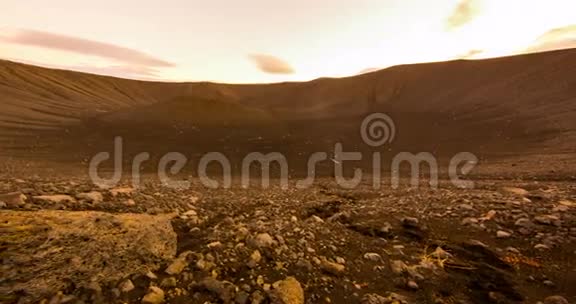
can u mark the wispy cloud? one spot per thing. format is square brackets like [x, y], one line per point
[368, 70]
[271, 64]
[464, 12]
[84, 47]
[471, 54]
[559, 38]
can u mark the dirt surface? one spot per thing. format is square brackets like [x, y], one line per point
[505, 241]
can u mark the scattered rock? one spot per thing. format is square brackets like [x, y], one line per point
[169, 282]
[524, 222]
[332, 268]
[287, 291]
[58, 198]
[372, 298]
[541, 247]
[560, 208]
[255, 258]
[412, 285]
[371, 256]
[398, 267]
[556, 300]
[410, 222]
[503, 234]
[179, 264]
[13, 199]
[215, 245]
[93, 197]
[124, 192]
[515, 191]
[155, 295]
[126, 286]
[223, 289]
[547, 220]
[469, 221]
[263, 240]
[440, 253]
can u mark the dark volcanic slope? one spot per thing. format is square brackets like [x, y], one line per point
[494, 107]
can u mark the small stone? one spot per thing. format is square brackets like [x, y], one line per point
[223, 289]
[549, 283]
[126, 286]
[340, 260]
[515, 191]
[215, 245]
[179, 264]
[371, 256]
[503, 234]
[263, 240]
[125, 191]
[190, 213]
[372, 298]
[556, 300]
[304, 264]
[513, 250]
[255, 258]
[440, 253]
[316, 219]
[59, 198]
[93, 197]
[410, 221]
[489, 215]
[155, 295]
[168, 282]
[398, 267]
[13, 199]
[293, 219]
[241, 297]
[541, 247]
[287, 291]
[469, 221]
[548, 220]
[257, 297]
[524, 222]
[466, 207]
[332, 268]
[412, 285]
[151, 275]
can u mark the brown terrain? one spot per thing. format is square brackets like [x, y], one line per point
[509, 239]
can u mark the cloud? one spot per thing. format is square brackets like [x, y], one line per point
[465, 11]
[471, 54]
[555, 39]
[271, 65]
[368, 70]
[84, 47]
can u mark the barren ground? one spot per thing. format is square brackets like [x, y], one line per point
[489, 244]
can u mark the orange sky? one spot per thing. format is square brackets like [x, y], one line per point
[272, 40]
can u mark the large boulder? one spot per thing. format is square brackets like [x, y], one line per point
[43, 251]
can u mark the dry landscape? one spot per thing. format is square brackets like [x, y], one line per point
[509, 239]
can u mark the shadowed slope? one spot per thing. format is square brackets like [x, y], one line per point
[512, 105]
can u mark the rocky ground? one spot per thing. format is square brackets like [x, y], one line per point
[65, 240]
